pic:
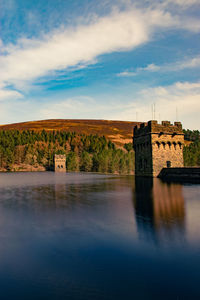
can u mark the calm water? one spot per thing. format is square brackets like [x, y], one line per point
[87, 236]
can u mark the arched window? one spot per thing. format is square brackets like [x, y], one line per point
[174, 145]
[180, 145]
[168, 164]
[169, 144]
[163, 144]
[158, 144]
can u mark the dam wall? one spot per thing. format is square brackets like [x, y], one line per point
[189, 174]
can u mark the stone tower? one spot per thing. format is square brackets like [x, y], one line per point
[59, 163]
[157, 146]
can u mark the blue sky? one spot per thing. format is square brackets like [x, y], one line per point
[92, 59]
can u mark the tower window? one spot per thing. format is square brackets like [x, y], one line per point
[163, 144]
[158, 144]
[168, 164]
[169, 144]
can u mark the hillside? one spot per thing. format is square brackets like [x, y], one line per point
[31, 150]
[119, 132]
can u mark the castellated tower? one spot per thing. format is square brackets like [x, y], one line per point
[157, 146]
[59, 163]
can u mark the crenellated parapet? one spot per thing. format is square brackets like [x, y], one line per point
[153, 127]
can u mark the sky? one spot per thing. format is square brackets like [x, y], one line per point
[91, 59]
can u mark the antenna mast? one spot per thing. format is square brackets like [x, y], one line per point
[177, 114]
[154, 111]
[136, 114]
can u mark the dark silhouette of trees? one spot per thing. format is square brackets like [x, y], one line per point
[191, 135]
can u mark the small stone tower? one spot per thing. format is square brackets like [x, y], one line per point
[59, 163]
[157, 146]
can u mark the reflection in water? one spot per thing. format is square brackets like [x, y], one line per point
[74, 236]
[159, 210]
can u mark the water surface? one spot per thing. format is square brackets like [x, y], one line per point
[91, 236]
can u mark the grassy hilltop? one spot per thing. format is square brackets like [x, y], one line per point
[119, 132]
[89, 145]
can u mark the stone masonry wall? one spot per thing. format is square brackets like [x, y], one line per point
[143, 155]
[167, 148]
[157, 146]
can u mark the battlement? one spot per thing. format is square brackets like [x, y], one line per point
[154, 127]
[59, 156]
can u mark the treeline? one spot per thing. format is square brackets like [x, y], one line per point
[191, 153]
[191, 135]
[83, 152]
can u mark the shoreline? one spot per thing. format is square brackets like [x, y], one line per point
[43, 169]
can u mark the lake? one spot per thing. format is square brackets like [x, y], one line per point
[92, 236]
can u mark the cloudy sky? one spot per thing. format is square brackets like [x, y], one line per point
[92, 59]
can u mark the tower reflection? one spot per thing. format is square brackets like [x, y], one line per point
[159, 210]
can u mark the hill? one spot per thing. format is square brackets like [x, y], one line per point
[31, 150]
[119, 132]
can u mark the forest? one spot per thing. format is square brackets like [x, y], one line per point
[191, 135]
[19, 149]
[35, 150]
[191, 153]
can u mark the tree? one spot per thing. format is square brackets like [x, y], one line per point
[89, 152]
[72, 161]
[85, 162]
[128, 147]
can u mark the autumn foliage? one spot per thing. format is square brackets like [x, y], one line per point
[83, 152]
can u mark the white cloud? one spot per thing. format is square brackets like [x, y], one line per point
[30, 59]
[81, 107]
[188, 63]
[150, 67]
[182, 96]
[9, 94]
[126, 74]
[183, 3]
[34, 58]
[68, 108]
[176, 66]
